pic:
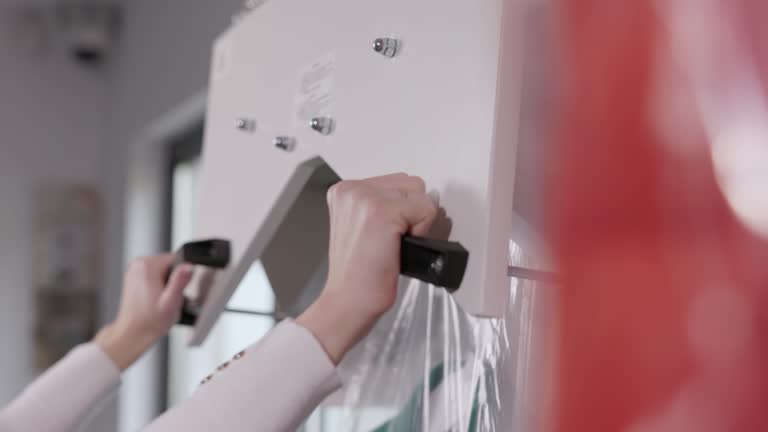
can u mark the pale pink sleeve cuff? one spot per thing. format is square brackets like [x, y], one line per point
[272, 386]
[65, 394]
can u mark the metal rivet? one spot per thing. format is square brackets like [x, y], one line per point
[437, 265]
[324, 125]
[284, 143]
[245, 124]
[206, 380]
[386, 46]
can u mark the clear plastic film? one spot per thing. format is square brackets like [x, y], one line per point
[429, 366]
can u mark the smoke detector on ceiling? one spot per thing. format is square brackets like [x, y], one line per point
[90, 28]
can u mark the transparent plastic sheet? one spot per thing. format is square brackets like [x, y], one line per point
[429, 366]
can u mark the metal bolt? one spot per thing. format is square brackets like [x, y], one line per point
[284, 143]
[245, 124]
[386, 46]
[437, 266]
[324, 125]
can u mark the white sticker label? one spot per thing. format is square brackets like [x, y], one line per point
[313, 97]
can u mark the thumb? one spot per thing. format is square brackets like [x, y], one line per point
[419, 212]
[171, 298]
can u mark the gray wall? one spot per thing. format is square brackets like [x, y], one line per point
[52, 116]
[163, 61]
[60, 122]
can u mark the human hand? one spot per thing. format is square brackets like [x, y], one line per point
[368, 220]
[148, 308]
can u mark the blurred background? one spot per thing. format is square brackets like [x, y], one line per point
[87, 87]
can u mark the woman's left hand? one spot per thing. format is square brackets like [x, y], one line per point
[148, 308]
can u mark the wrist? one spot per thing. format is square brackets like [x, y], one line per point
[122, 346]
[336, 324]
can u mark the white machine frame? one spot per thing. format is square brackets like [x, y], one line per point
[444, 107]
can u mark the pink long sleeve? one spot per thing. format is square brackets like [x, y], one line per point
[272, 387]
[64, 395]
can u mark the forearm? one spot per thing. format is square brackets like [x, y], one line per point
[64, 395]
[337, 324]
[123, 347]
[272, 387]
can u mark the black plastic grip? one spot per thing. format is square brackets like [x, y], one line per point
[214, 253]
[438, 262]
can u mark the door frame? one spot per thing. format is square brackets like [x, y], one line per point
[143, 395]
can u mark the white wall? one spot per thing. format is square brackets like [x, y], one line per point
[52, 128]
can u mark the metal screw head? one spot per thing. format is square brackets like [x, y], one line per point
[386, 46]
[324, 125]
[245, 124]
[437, 266]
[284, 143]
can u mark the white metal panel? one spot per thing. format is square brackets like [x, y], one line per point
[445, 109]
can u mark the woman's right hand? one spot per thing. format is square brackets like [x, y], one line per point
[368, 220]
[148, 309]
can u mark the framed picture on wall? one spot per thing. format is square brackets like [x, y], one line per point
[66, 268]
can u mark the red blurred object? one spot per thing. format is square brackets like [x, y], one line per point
[663, 323]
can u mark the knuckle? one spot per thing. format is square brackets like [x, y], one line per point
[344, 186]
[339, 190]
[432, 210]
[365, 203]
[419, 183]
[140, 266]
[354, 196]
[373, 207]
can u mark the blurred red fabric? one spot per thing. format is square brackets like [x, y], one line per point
[663, 324]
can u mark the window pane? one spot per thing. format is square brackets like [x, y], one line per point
[185, 187]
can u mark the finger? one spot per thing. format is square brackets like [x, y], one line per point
[160, 265]
[333, 191]
[171, 297]
[384, 179]
[404, 182]
[419, 212]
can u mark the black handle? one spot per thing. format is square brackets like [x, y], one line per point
[214, 253]
[438, 262]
